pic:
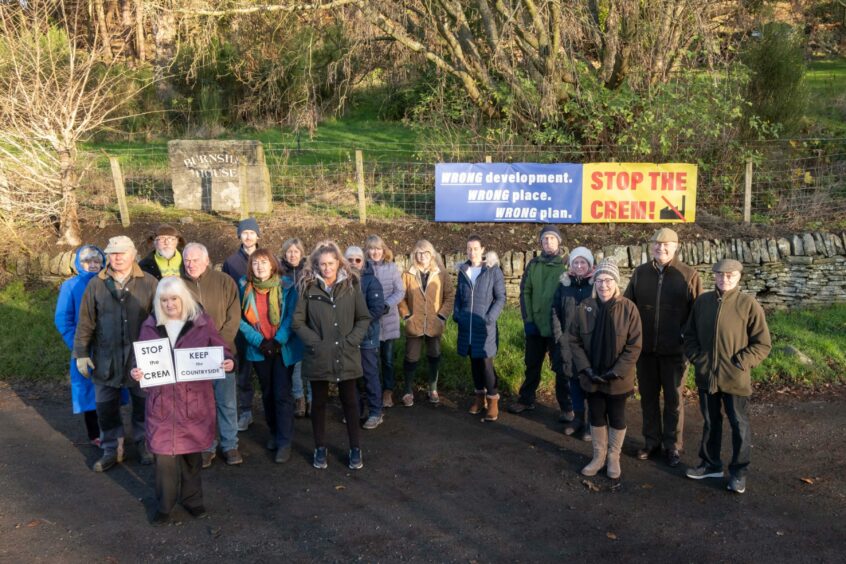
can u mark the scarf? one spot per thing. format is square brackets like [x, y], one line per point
[274, 301]
[603, 349]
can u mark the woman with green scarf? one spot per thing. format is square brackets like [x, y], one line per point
[267, 305]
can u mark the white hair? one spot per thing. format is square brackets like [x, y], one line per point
[199, 246]
[174, 286]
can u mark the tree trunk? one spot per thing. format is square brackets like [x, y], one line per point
[103, 29]
[69, 221]
[139, 31]
[164, 32]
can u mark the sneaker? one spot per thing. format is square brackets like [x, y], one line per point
[573, 427]
[737, 484]
[388, 398]
[372, 422]
[233, 457]
[408, 400]
[704, 471]
[198, 512]
[245, 420]
[434, 397]
[144, 455]
[319, 461]
[283, 455]
[95, 442]
[520, 407]
[108, 460]
[355, 459]
[567, 417]
[208, 457]
[646, 453]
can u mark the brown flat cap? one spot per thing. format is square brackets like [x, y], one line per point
[165, 230]
[665, 235]
[728, 265]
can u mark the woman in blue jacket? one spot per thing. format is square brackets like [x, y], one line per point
[268, 301]
[479, 300]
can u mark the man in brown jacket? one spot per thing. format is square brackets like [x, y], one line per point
[663, 290]
[726, 337]
[218, 295]
[115, 304]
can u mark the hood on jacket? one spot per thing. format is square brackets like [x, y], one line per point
[77, 264]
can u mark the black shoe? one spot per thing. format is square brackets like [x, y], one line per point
[108, 460]
[520, 407]
[648, 452]
[673, 458]
[198, 512]
[283, 455]
[271, 443]
[144, 455]
[737, 484]
[160, 519]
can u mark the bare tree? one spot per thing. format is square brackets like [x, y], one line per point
[53, 96]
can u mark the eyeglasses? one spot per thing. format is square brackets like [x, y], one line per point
[166, 239]
[422, 253]
[356, 260]
[603, 281]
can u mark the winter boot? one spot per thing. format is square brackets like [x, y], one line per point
[615, 445]
[493, 408]
[478, 403]
[599, 436]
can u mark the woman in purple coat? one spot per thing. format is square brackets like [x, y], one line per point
[180, 418]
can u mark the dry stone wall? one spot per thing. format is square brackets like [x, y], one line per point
[803, 270]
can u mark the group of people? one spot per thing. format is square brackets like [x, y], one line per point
[302, 321]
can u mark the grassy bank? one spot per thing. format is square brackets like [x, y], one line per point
[33, 349]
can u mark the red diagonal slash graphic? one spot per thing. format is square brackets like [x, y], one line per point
[672, 207]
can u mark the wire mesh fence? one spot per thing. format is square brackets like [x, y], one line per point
[792, 180]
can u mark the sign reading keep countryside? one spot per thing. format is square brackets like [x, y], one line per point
[566, 192]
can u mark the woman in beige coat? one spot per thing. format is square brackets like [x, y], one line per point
[428, 301]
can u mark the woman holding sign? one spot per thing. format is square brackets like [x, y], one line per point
[180, 417]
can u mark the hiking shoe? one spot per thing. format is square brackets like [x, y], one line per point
[388, 398]
[283, 455]
[233, 457]
[245, 420]
[108, 460]
[704, 471]
[567, 417]
[372, 422]
[355, 459]
[408, 400]
[144, 455]
[737, 484]
[319, 460]
[434, 397]
[208, 457]
[520, 407]
[198, 512]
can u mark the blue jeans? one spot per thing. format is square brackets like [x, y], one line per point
[297, 382]
[372, 387]
[225, 399]
[386, 352]
[275, 379]
[737, 411]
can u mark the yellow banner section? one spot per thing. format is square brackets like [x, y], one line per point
[638, 193]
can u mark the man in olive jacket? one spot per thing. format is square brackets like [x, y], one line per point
[726, 337]
[663, 290]
[115, 304]
[537, 291]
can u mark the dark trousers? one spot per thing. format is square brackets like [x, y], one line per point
[91, 424]
[737, 411]
[108, 415]
[319, 399]
[277, 398]
[244, 378]
[484, 375]
[656, 374]
[372, 386]
[178, 478]
[606, 409]
[537, 348]
[386, 353]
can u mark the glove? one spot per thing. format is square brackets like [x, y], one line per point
[85, 366]
[588, 372]
[270, 347]
[531, 329]
[386, 310]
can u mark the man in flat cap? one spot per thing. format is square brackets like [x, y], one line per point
[664, 290]
[115, 304]
[725, 338]
[165, 259]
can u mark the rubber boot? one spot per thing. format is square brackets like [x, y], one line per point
[615, 445]
[409, 368]
[478, 403]
[599, 438]
[493, 408]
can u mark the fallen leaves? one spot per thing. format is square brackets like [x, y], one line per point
[611, 535]
[809, 481]
[591, 486]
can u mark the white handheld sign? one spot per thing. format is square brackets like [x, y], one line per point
[154, 359]
[199, 364]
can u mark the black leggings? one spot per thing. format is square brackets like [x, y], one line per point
[604, 409]
[91, 424]
[484, 375]
[349, 401]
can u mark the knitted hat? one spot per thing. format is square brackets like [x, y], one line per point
[727, 265]
[249, 224]
[665, 235]
[353, 251]
[583, 252]
[120, 244]
[549, 229]
[607, 266]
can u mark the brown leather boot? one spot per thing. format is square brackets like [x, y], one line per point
[478, 403]
[493, 408]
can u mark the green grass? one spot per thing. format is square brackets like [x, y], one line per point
[826, 83]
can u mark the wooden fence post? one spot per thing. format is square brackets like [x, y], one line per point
[359, 176]
[487, 158]
[747, 195]
[242, 189]
[120, 191]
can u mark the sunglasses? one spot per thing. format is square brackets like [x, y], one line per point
[356, 260]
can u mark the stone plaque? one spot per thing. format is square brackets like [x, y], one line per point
[206, 175]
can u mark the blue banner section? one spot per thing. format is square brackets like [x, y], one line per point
[501, 192]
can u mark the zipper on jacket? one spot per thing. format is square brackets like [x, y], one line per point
[714, 339]
[658, 306]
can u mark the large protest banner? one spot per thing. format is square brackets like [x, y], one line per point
[565, 192]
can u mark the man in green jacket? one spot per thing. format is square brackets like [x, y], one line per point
[725, 338]
[537, 290]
